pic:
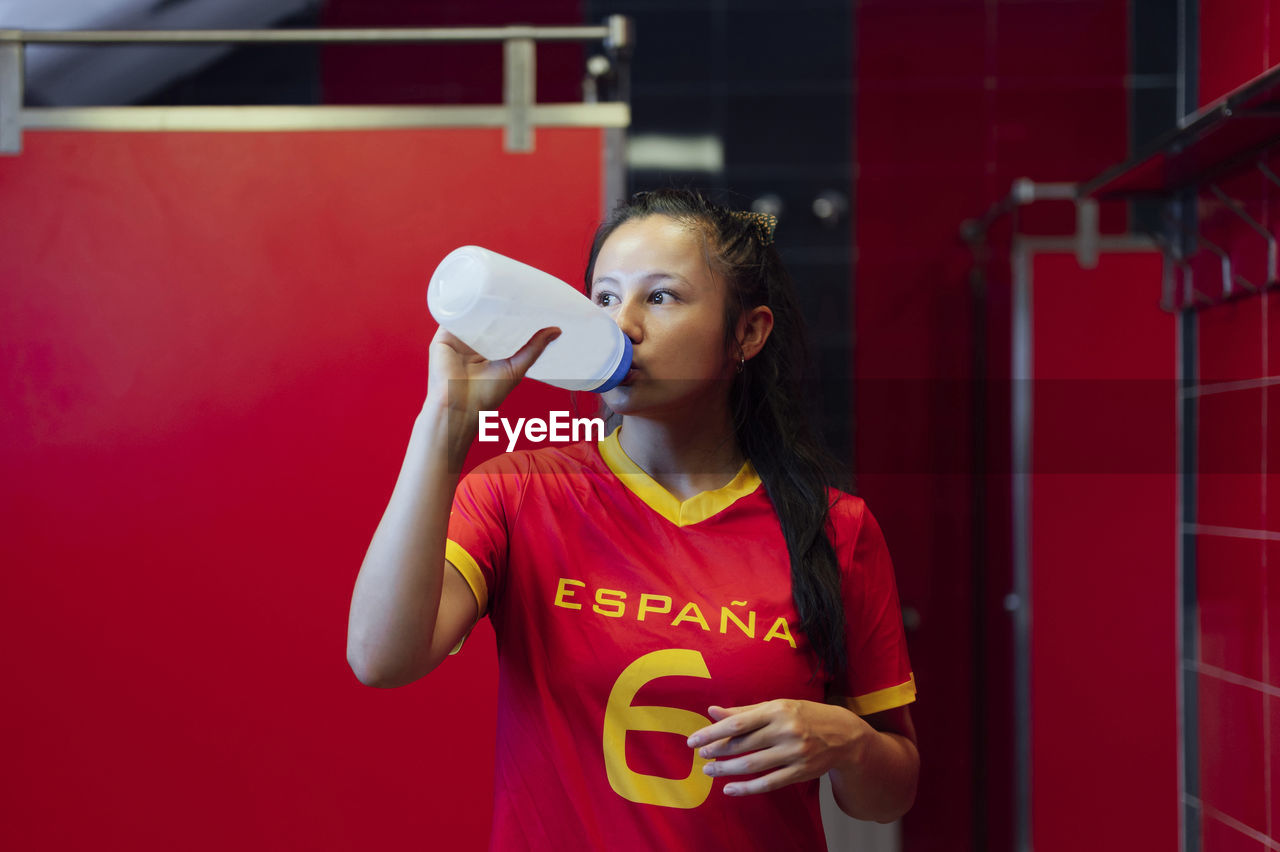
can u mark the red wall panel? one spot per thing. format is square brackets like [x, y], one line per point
[1103, 584]
[212, 349]
[955, 99]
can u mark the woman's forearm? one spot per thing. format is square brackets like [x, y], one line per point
[407, 610]
[879, 782]
[397, 599]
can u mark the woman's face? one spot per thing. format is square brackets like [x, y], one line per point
[652, 276]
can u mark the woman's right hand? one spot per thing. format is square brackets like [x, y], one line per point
[465, 382]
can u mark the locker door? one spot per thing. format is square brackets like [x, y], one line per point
[213, 349]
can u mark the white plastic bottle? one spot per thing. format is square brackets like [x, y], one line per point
[495, 304]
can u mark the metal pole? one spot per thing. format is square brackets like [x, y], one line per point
[1018, 603]
[519, 78]
[519, 114]
[11, 88]
[620, 44]
[397, 35]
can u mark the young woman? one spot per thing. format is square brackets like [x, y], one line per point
[692, 627]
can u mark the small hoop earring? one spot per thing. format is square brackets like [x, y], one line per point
[742, 363]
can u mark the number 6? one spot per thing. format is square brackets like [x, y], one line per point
[620, 716]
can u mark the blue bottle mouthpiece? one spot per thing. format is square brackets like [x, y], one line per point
[620, 373]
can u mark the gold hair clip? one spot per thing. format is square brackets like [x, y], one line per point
[764, 223]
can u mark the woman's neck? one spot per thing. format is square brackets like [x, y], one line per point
[695, 456]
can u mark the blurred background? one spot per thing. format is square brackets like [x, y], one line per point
[1036, 244]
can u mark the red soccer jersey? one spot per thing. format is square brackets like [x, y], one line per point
[621, 614]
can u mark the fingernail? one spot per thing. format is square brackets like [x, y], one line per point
[705, 751]
[693, 742]
[731, 790]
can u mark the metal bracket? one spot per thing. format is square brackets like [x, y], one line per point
[1229, 278]
[621, 38]
[1191, 295]
[620, 45]
[1087, 233]
[1184, 284]
[1175, 276]
[613, 183]
[1271, 246]
[11, 89]
[519, 79]
[1238, 209]
[1270, 175]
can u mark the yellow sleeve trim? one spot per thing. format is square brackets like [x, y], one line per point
[883, 699]
[470, 571]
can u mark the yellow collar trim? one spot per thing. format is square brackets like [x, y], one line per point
[697, 508]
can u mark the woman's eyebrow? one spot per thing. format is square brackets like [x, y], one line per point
[646, 277]
[662, 275]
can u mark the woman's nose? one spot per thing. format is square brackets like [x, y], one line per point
[628, 318]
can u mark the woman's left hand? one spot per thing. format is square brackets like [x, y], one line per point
[798, 740]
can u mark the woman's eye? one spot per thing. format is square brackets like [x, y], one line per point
[604, 300]
[660, 297]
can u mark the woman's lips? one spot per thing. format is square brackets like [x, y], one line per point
[629, 377]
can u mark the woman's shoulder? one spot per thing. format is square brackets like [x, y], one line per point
[849, 520]
[845, 507]
[582, 457]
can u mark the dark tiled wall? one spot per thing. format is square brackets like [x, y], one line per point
[262, 74]
[1156, 98]
[444, 73]
[387, 73]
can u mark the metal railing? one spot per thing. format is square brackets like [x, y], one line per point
[519, 113]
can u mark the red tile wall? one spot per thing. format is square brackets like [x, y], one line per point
[1103, 590]
[1239, 40]
[1232, 776]
[1238, 574]
[1237, 550]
